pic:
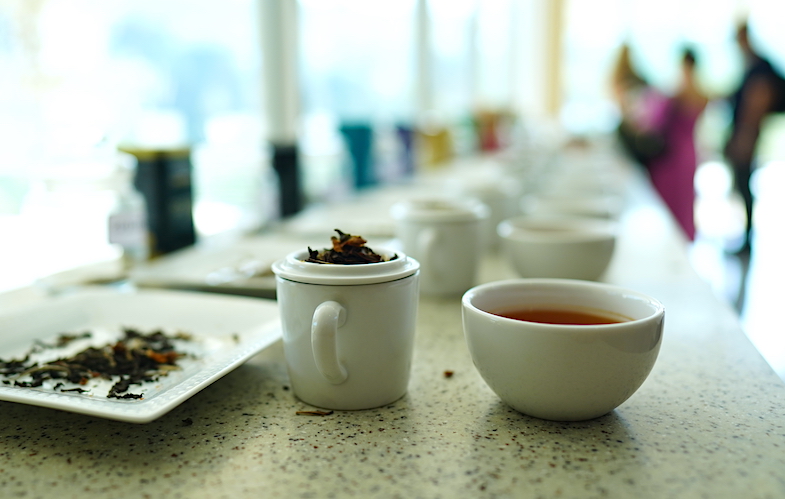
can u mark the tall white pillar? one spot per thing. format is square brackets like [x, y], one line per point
[554, 60]
[475, 57]
[279, 33]
[424, 90]
[538, 39]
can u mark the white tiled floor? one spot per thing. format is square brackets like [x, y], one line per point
[754, 285]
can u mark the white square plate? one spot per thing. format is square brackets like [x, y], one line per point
[226, 331]
[222, 267]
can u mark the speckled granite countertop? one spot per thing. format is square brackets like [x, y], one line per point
[708, 422]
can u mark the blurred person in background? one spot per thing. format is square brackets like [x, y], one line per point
[626, 81]
[672, 171]
[631, 91]
[760, 93]
[657, 130]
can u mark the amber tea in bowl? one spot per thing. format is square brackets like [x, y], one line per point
[567, 316]
[561, 349]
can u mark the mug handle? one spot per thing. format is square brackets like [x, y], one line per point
[327, 318]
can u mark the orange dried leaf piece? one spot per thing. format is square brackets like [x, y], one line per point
[347, 250]
[347, 240]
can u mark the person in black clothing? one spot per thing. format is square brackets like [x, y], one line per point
[759, 94]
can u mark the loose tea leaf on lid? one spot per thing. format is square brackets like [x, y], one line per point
[347, 250]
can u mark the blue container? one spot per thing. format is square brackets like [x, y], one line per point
[359, 142]
[406, 137]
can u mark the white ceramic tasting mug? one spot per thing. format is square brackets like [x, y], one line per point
[446, 236]
[348, 330]
[562, 372]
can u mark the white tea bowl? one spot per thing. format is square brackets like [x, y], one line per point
[562, 372]
[583, 203]
[567, 247]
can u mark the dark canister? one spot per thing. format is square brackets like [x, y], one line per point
[163, 176]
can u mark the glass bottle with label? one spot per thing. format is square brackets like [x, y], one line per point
[128, 219]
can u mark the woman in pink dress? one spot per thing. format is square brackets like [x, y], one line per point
[673, 171]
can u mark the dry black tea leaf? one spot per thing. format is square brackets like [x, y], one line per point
[347, 250]
[134, 359]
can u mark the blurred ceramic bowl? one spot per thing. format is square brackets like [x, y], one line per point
[562, 371]
[569, 247]
[583, 204]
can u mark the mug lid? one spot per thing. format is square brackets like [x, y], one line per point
[294, 268]
[440, 209]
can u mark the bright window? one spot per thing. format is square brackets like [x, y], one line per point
[82, 76]
[656, 32]
[357, 66]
